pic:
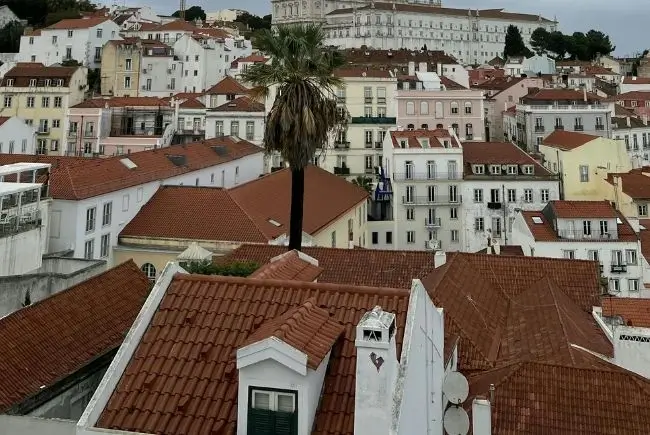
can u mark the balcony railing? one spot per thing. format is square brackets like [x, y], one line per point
[426, 176]
[600, 127]
[559, 127]
[89, 133]
[15, 224]
[427, 200]
[342, 145]
[373, 120]
[341, 170]
[618, 268]
[561, 107]
[580, 235]
[72, 134]
[539, 129]
[432, 222]
[379, 144]
[43, 130]
[578, 127]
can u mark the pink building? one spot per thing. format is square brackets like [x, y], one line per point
[120, 125]
[429, 101]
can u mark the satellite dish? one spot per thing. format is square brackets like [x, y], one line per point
[456, 421]
[455, 388]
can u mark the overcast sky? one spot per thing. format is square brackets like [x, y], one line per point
[625, 21]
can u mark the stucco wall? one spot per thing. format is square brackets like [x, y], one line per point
[340, 227]
[21, 424]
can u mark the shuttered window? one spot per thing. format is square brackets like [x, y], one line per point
[272, 412]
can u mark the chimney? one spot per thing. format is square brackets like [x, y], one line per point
[439, 258]
[481, 417]
[584, 93]
[423, 67]
[439, 69]
[496, 247]
[377, 368]
[627, 120]
[411, 68]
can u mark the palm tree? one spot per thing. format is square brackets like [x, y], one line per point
[363, 182]
[304, 113]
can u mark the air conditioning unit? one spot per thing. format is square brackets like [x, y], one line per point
[433, 244]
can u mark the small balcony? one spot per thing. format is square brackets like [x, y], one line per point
[367, 100]
[72, 134]
[539, 129]
[600, 127]
[580, 235]
[342, 145]
[494, 205]
[341, 170]
[43, 130]
[379, 144]
[426, 176]
[89, 133]
[559, 127]
[578, 127]
[384, 120]
[381, 100]
[618, 268]
[430, 200]
[432, 222]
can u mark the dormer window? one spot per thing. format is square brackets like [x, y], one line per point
[512, 169]
[272, 411]
[424, 142]
[445, 143]
[10, 82]
[478, 169]
[528, 169]
[495, 169]
[403, 143]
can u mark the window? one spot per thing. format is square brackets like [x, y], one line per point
[56, 123]
[89, 249]
[603, 228]
[149, 270]
[58, 101]
[104, 244]
[454, 236]
[592, 255]
[569, 254]
[272, 412]
[91, 215]
[478, 195]
[512, 195]
[495, 169]
[7, 102]
[584, 173]
[468, 108]
[125, 202]
[410, 108]
[586, 228]
[454, 108]
[368, 138]
[633, 285]
[544, 194]
[128, 64]
[30, 102]
[375, 238]
[250, 130]
[107, 213]
[410, 214]
[496, 227]
[630, 257]
[643, 209]
[528, 195]
[389, 237]
[333, 239]
[410, 237]
[424, 108]
[453, 213]
[234, 128]
[54, 39]
[479, 224]
[512, 169]
[127, 82]
[23, 147]
[614, 285]
[410, 194]
[69, 33]
[495, 195]
[478, 169]
[367, 95]
[218, 128]
[68, 53]
[469, 132]
[54, 145]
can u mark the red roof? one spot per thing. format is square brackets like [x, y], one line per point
[78, 23]
[291, 265]
[635, 184]
[349, 266]
[644, 237]
[359, 72]
[568, 140]
[634, 311]
[190, 385]
[52, 339]
[413, 138]
[4, 119]
[498, 153]
[561, 95]
[253, 58]
[122, 102]
[636, 80]
[75, 178]
[228, 86]
[583, 209]
[241, 104]
[633, 96]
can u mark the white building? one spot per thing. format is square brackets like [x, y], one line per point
[418, 197]
[242, 117]
[227, 15]
[499, 180]
[16, 136]
[79, 39]
[585, 230]
[636, 135]
[471, 36]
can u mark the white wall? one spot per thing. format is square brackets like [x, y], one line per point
[16, 137]
[227, 118]
[22, 424]
[630, 352]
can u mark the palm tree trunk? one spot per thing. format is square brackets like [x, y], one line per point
[297, 201]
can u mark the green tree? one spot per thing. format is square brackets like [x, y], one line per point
[637, 62]
[235, 268]
[363, 182]
[10, 37]
[577, 46]
[557, 43]
[539, 40]
[192, 13]
[515, 43]
[598, 44]
[253, 22]
[304, 113]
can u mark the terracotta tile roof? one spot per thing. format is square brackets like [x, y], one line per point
[636, 80]
[485, 296]
[192, 103]
[498, 153]
[435, 138]
[307, 328]
[539, 226]
[560, 95]
[644, 237]
[539, 398]
[253, 58]
[567, 140]
[327, 197]
[620, 123]
[632, 96]
[177, 25]
[450, 84]
[51, 339]
[289, 266]
[581, 63]
[634, 311]
[22, 75]
[122, 102]
[597, 69]
[4, 119]
[359, 72]
[635, 184]
[621, 111]
[228, 86]
[504, 250]
[349, 266]
[582, 209]
[193, 213]
[498, 83]
[212, 32]
[75, 178]
[78, 23]
[401, 57]
[241, 104]
[225, 311]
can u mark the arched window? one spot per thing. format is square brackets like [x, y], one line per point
[468, 108]
[149, 270]
[425, 126]
[439, 112]
[410, 127]
[455, 128]
[454, 108]
[424, 108]
[439, 126]
[410, 108]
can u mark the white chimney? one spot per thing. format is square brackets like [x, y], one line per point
[627, 119]
[376, 373]
[439, 69]
[645, 119]
[496, 247]
[481, 417]
[584, 93]
[439, 258]
[423, 67]
[411, 68]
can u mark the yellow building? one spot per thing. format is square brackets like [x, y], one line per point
[583, 162]
[219, 220]
[41, 96]
[630, 192]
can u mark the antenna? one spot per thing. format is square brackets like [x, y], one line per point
[181, 10]
[455, 389]
[456, 421]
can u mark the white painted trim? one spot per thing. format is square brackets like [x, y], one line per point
[127, 349]
[597, 314]
[275, 349]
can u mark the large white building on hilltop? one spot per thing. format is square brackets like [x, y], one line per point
[471, 36]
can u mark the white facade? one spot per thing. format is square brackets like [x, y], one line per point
[54, 45]
[16, 137]
[246, 125]
[621, 260]
[69, 218]
[471, 36]
[228, 15]
[160, 76]
[636, 136]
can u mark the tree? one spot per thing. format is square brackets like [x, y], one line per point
[192, 13]
[364, 183]
[235, 268]
[515, 44]
[598, 44]
[253, 22]
[304, 113]
[577, 46]
[10, 37]
[539, 40]
[637, 62]
[557, 43]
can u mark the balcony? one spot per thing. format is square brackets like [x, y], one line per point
[367, 100]
[199, 132]
[379, 144]
[15, 222]
[89, 133]
[341, 170]
[578, 127]
[559, 127]
[429, 200]
[381, 100]
[43, 130]
[426, 176]
[580, 235]
[494, 205]
[373, 120]
[618, 268]
[432, 222]
[539, 129]
[561, 107]
[72, 134]
[342, 145]
[600, 127]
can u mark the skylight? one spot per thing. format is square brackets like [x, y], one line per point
[128, 163]
[537, 220]
[275, 223]
[619, 221]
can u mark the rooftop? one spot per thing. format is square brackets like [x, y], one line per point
[438, 138]
[560, 95]
[240, 104]
[292, 265]
[583, 209]
[633, 311]
[227, 86]
[101, 103]
[568, 140]
[361, 72]
[636, 80]
[78, 23]
[498, 153]
[366, 56]
[635, 184]
[50, 340]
